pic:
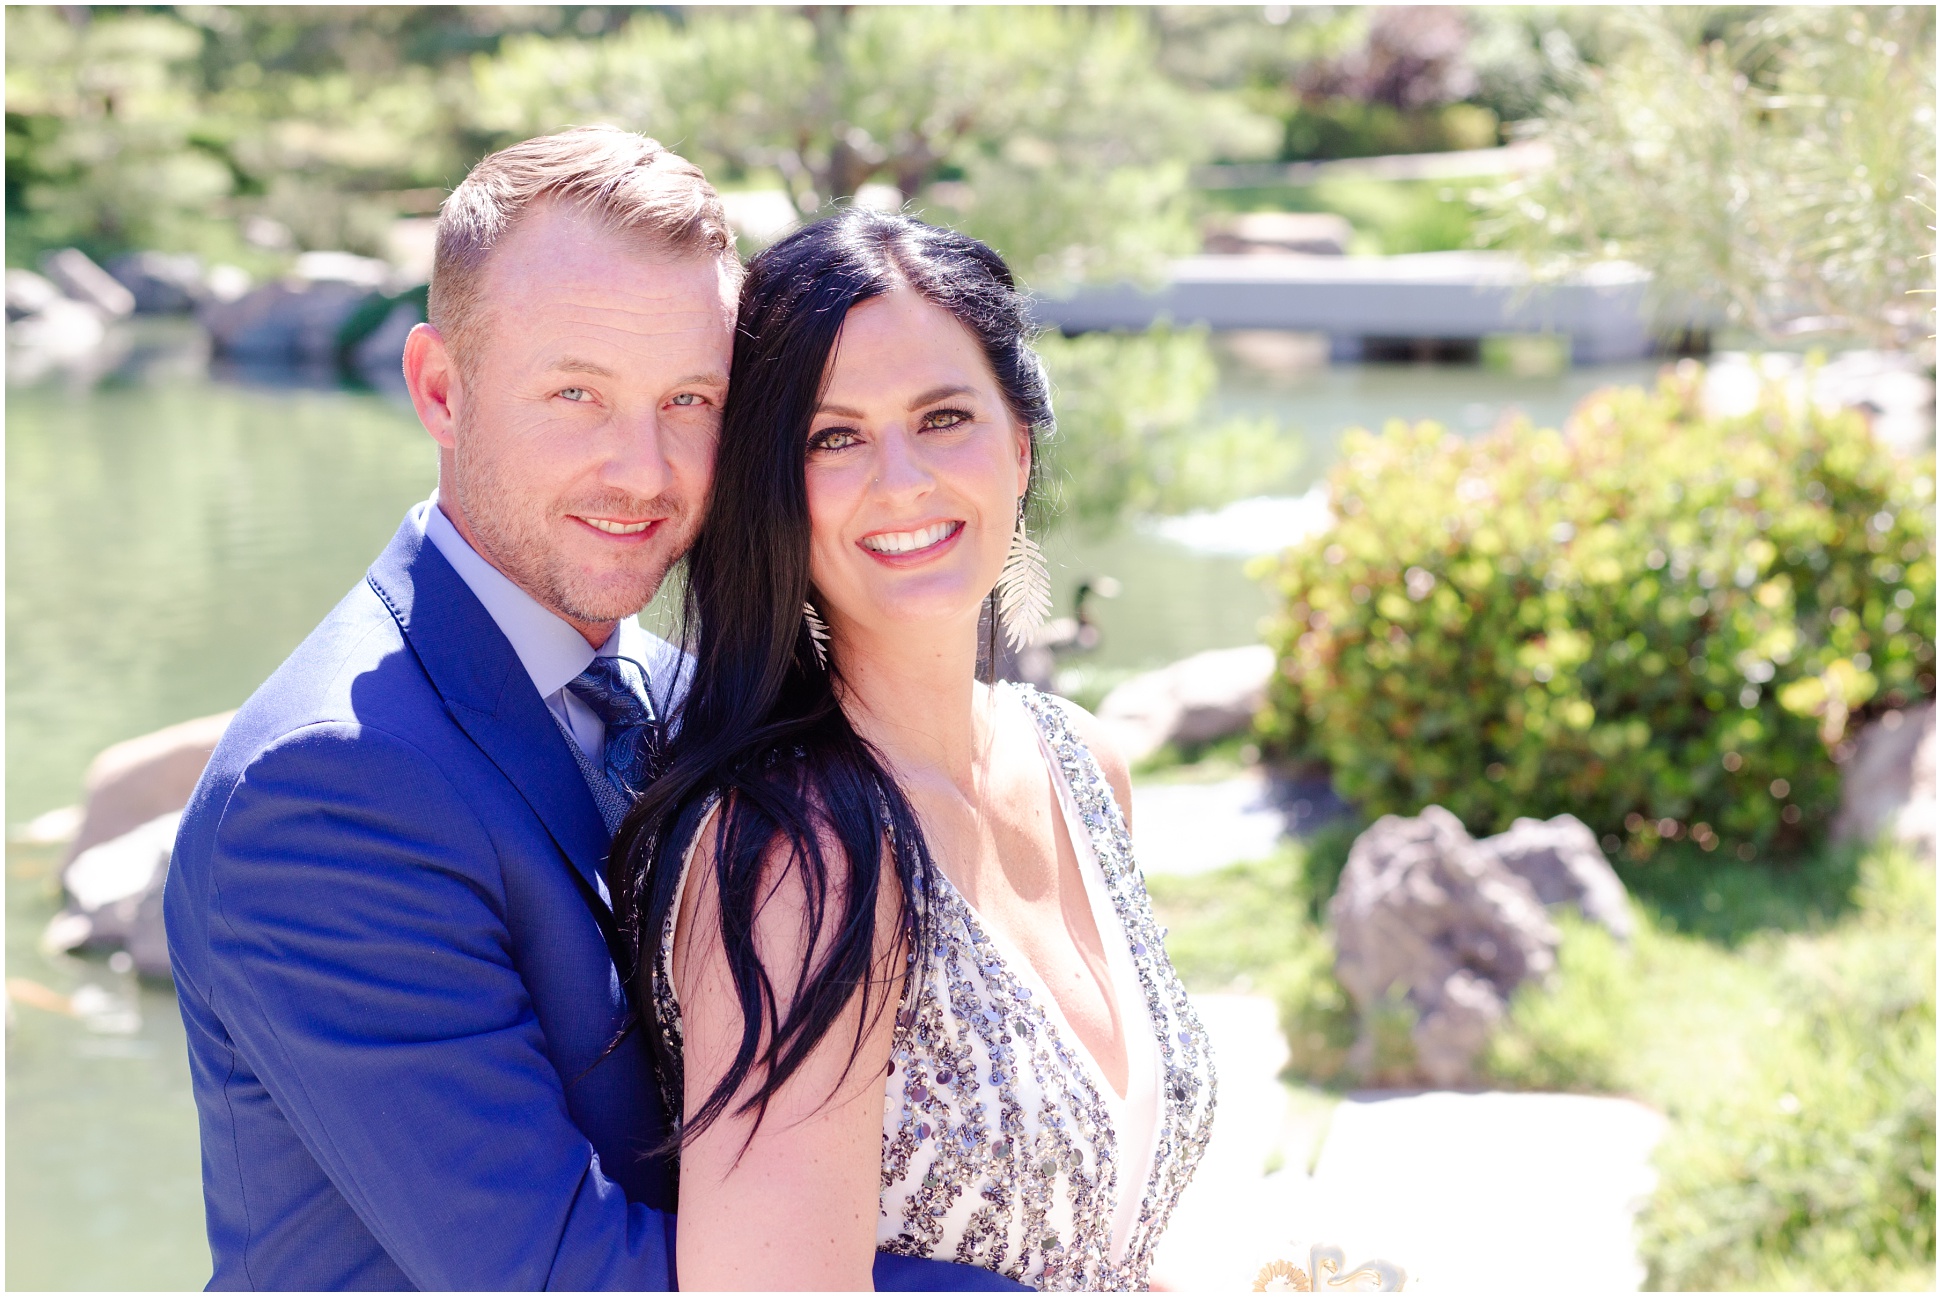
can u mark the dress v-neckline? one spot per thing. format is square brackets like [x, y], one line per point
[1116, 969]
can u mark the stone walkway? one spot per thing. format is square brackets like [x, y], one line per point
[1503, 1193]
[1190, 827]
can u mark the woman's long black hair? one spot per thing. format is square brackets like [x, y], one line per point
[761, 724]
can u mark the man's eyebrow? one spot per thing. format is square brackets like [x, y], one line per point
[574, 365]
[702, 380]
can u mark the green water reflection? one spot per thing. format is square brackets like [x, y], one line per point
[170, 540]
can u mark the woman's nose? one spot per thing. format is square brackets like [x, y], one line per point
[900, 469]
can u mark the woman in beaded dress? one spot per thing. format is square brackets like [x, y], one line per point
[904, 981]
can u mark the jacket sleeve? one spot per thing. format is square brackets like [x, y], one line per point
[361, 962]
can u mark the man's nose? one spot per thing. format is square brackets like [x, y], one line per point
[637, 460]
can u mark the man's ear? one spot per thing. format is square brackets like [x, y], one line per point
[431, 375]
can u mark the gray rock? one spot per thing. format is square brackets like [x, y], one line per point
[1563, 864]
[291, 321]
[1887, 784]
[77, 276]
[161, 283]
[114, 893]
[1423, 910]
[1195, 700]
[379, 356]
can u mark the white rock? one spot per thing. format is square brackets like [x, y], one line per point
[341, 268]
[121, 867]
[1195, 700]
[115, 896]
[60, 330]
[77, 275]
[28, 293]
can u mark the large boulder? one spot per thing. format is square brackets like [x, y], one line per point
[132, 783]
[1887, 784]
[1196, 700]
[114, 891]
[1423, 911]
[162, 283]
[299, 319]
[1563, 864]
[286, 322]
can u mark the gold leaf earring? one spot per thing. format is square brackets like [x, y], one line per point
[1023, 588]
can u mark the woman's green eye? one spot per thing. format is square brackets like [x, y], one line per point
[833, 439]
[944, 419]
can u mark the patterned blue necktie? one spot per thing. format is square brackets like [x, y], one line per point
[616, 689]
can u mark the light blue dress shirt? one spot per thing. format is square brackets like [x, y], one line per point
[552, 652]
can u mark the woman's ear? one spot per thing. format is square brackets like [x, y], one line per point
[1024, 459]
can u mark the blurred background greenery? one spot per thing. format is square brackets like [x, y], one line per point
[1538, 588]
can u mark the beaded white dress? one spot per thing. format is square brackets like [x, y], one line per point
[1003, 1145]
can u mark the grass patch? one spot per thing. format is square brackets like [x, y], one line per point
[1233, 928]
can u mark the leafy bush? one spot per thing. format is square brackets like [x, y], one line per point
[1660, 622]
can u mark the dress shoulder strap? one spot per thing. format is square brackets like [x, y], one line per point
[1097, 806]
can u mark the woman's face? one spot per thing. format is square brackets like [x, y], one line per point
[915, 470]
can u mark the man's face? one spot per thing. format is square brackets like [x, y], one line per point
[577, 442]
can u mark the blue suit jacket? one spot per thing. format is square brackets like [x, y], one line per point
[385, 919]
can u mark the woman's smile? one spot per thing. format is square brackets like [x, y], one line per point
[911, 547]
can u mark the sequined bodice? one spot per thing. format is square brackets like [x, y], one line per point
[1000, 1147]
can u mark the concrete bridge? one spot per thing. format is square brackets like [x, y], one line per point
[1369, 303]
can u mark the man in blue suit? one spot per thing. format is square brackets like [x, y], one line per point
[408, 1009]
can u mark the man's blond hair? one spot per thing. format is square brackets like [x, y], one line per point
[627, 182]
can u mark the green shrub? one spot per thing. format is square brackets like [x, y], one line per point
[1659, 622]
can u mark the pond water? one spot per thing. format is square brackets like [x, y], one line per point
[171, 535]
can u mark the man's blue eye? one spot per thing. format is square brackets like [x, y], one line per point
[576, 394]
[687, 398]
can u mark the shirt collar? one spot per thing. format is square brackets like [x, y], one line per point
[552, 652]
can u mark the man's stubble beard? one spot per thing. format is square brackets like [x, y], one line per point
[517, 543]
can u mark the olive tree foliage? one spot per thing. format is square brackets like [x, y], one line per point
[99, 120]
[1051, 133]
[184, 129]
[1776, 175]
[1138, 432]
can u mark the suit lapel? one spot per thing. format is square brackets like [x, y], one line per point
[489, 694]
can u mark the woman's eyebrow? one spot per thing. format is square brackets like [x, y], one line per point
[930, 397]
[936, 394]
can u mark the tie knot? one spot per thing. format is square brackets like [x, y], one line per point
[615, 688]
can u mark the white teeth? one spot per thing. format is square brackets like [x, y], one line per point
[617, 528]
[906, 542]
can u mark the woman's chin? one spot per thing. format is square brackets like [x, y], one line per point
[919, 619]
